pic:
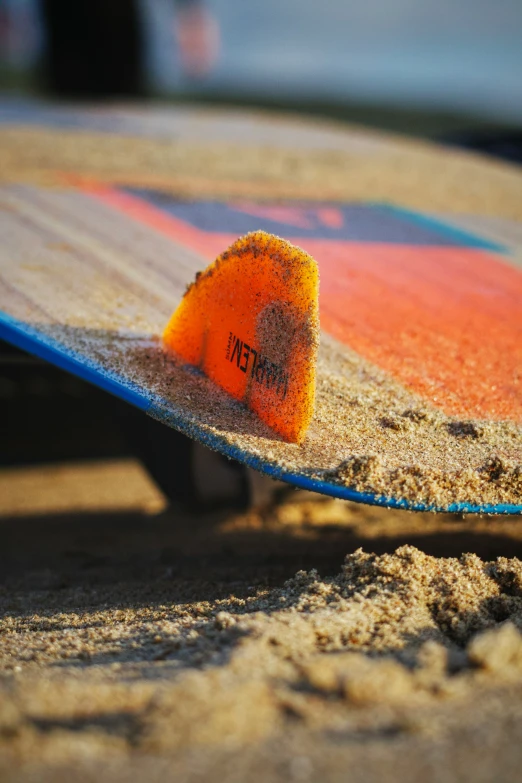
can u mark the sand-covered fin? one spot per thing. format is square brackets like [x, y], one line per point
[250, 323]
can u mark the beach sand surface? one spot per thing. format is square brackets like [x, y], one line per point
[311, 639]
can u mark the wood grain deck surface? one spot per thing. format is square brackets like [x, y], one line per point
[95, 255]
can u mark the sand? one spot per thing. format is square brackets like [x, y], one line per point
[270, 645]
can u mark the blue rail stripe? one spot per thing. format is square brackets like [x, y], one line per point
[459, 235]
[38, 344]
[303, 481]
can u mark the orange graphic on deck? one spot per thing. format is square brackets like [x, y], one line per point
[250, 322]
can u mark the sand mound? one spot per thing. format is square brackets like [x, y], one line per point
[397, 653]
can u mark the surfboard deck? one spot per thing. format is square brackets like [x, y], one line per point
[107, 215]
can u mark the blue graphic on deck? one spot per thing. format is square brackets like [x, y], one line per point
[377, 223]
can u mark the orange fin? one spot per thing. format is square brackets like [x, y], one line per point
[250, 321]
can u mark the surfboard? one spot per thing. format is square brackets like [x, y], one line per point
[107, 215]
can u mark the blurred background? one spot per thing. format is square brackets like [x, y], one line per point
[430, 68]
